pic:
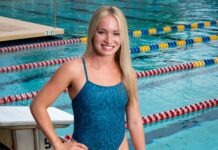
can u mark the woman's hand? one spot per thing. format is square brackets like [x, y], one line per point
[70, 145]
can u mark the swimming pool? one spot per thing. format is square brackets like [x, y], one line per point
[156, 93]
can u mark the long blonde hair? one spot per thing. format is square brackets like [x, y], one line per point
[123, 54]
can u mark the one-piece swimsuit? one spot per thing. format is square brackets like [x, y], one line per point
[99, 115]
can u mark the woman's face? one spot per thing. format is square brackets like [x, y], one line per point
[107, 39]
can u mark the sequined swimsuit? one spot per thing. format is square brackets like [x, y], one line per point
[99, 115]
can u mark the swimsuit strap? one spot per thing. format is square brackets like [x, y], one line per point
[84, 65]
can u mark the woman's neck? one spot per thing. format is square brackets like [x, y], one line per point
[102, 61]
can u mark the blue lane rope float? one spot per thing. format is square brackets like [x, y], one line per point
[175, 28]
[174, 44]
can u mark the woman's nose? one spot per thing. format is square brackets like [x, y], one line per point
[109, 38]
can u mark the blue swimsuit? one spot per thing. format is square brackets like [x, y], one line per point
[99, 115]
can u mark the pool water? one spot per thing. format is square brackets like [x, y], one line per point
[156, 93]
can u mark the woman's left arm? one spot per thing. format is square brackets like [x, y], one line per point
[135, 125]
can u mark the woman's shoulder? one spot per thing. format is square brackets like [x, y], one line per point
[73, 66]
[73, 62]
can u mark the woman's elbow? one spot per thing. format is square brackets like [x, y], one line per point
[135, 124]
[33, 108]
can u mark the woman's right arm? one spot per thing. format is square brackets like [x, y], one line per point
[46, 96]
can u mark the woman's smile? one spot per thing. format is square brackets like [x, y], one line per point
[107, 47]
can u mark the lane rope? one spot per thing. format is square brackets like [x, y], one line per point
[180, 111]
[184, 66]
[185, 110]
[134, 33]
[179, 67]
[178, 28]
[158, 71]
[143, 48]
[17, 48]
[46, 63]
[174, 44]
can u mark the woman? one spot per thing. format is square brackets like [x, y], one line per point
[102, 86]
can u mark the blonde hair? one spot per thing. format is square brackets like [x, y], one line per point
[123, 54]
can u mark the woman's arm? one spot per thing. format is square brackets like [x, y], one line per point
[135, 125]
[46, 96]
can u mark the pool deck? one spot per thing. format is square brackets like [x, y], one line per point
[13, 29]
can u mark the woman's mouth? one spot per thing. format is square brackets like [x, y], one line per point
[108, 47]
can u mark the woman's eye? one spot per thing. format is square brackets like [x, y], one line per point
[116, 33]
[100, 32]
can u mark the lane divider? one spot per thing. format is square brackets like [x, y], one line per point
[19, 97]
[162, 70]
[172, 113]
[11, 49]
[35, 64]
[143, 48]
[179, 67]
[180, 111]
[167, 29]
[158, 71]
[174, 44]
[134, 33]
